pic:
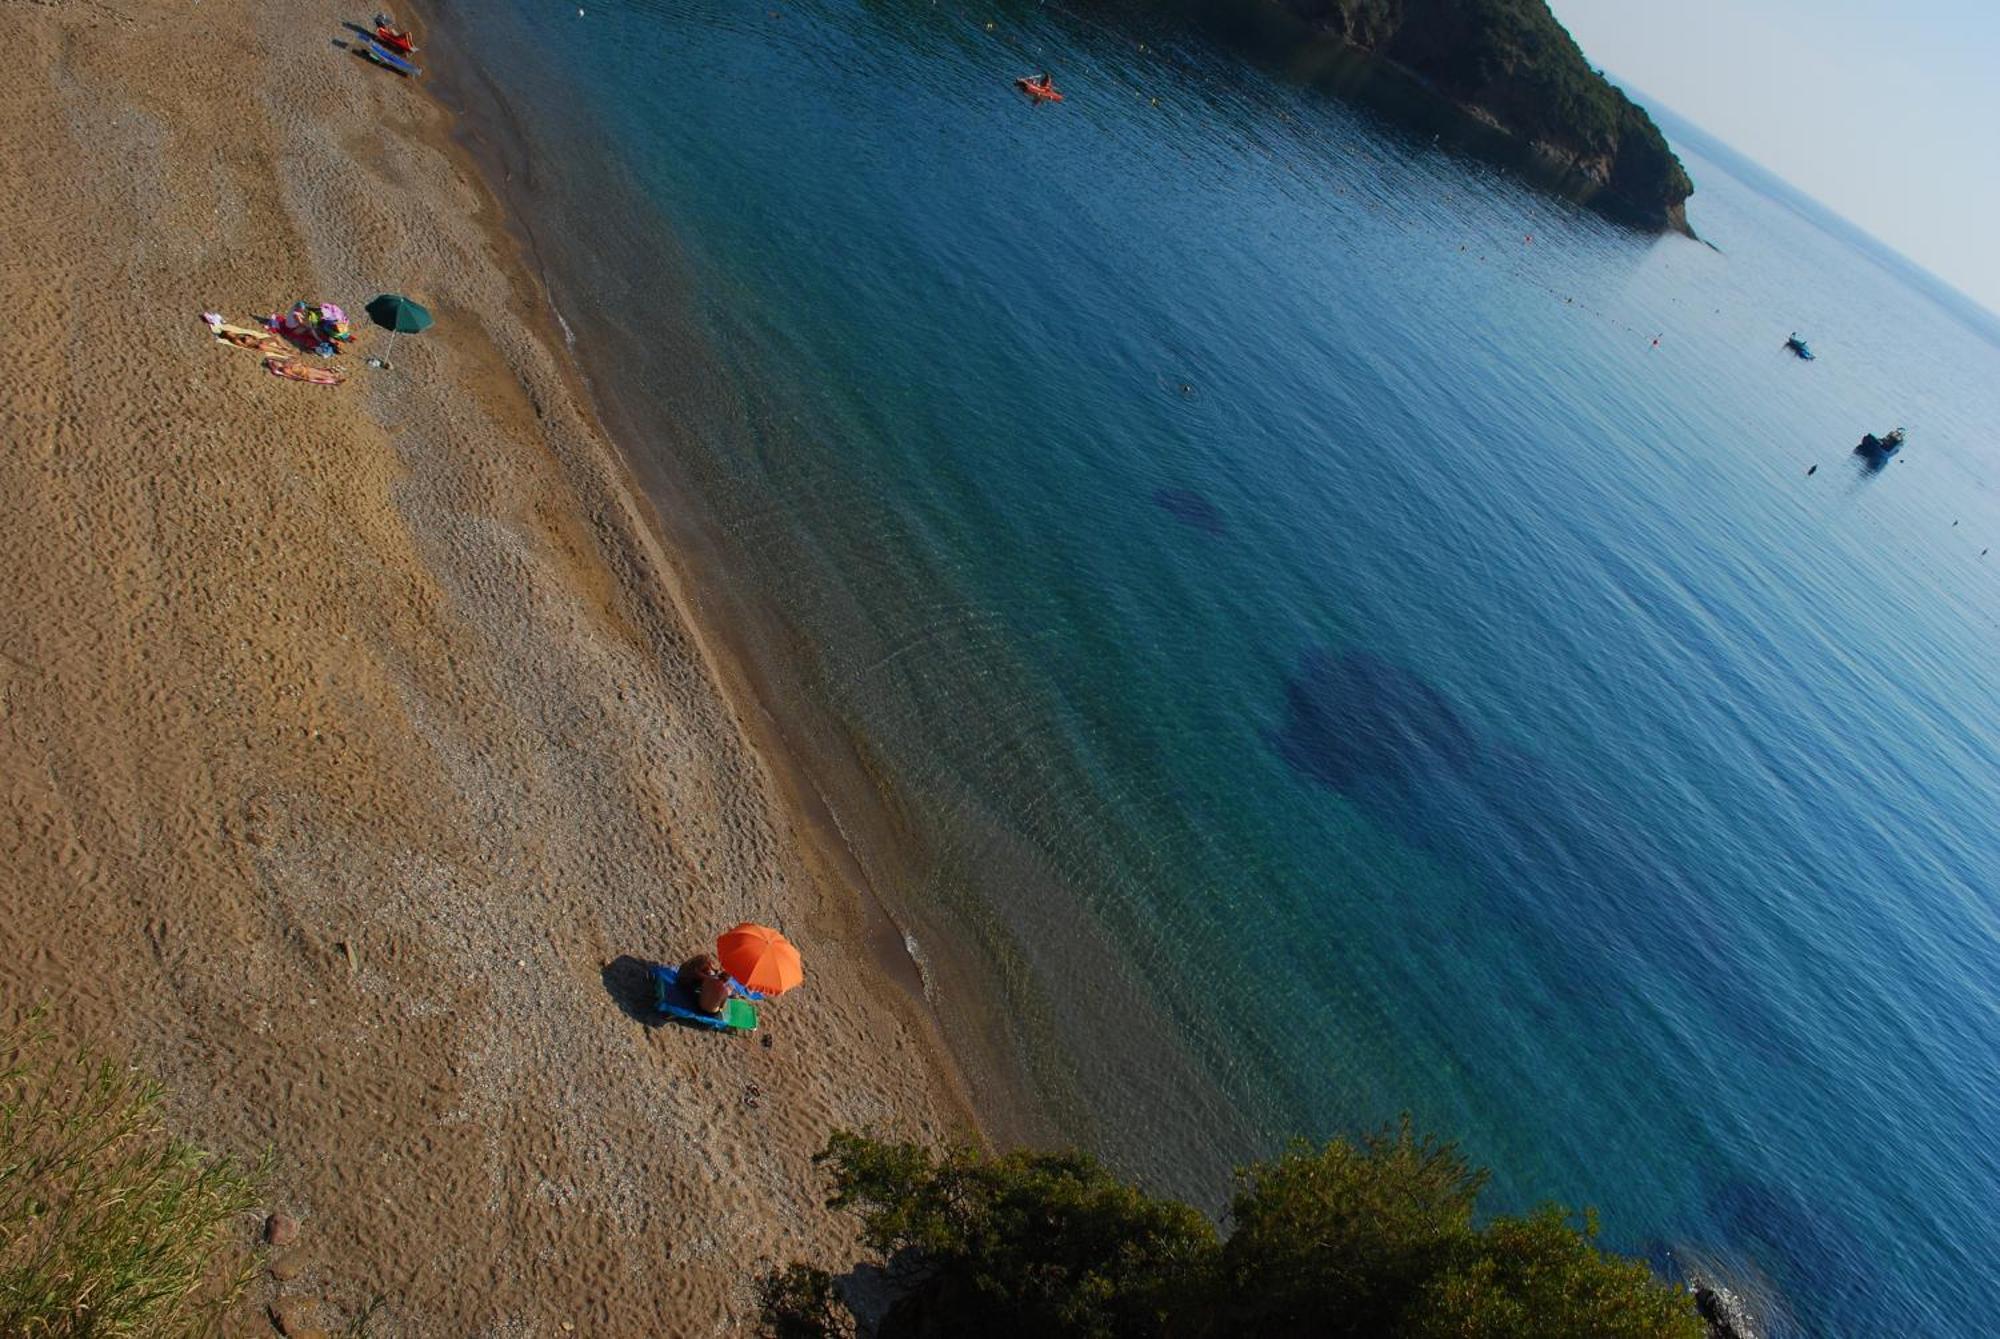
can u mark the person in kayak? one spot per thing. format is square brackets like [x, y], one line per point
[1046, 82]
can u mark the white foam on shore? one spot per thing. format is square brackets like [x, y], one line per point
[911, 947]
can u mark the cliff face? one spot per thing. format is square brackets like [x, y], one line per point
[1511, 63]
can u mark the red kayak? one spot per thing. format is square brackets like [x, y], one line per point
[395, 39]
[1036, 89]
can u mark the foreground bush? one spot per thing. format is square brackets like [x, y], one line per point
[109, 1226]
[1374, 1237]
[799, 1302]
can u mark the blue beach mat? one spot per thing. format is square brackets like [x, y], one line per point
[671, 999]
[388, 59]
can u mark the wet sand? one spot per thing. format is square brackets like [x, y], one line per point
[358, 742]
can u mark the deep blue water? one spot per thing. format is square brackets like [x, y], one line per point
[1336, 662]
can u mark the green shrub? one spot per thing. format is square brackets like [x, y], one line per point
[1540, 1277]
[798, 1302]
[109, 1226]
[1338, 1239]
[1026, 1243]
[1376, 1236]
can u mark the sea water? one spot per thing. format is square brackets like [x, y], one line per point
[1349, 635]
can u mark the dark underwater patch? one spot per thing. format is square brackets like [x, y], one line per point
[1354, 716]
[1548, 851]
[1191, 508]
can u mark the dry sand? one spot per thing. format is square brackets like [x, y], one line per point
[397, 667]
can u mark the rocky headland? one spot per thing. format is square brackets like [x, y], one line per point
[1508, 64]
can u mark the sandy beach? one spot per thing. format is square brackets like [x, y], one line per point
[360, 740]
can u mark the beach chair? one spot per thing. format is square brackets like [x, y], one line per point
[672, 1000]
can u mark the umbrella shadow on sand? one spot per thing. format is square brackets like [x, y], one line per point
[629, 983]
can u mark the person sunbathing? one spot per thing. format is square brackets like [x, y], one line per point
[705, 982]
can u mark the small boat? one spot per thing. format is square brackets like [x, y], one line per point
[388, 59]
[1879, 447]
[1798, 346]
[1035, 88]
[396, 39]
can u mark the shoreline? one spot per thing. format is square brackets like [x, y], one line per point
[997, 1000]
[723, 656]
[482, 706]
[842, 803]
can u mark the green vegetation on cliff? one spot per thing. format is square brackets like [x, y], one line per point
[1375, 1238]
[1511, 60]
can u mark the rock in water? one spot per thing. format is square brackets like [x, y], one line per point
[1722, 1312]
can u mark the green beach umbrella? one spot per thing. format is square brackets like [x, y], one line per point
[398, 315]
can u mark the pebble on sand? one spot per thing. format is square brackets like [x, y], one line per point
[280, 1230]
[295, 1318]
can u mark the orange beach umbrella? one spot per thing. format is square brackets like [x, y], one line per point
[760, 958]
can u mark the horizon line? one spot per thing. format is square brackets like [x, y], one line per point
[1648, 102]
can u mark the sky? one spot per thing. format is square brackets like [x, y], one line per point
[1886, 111]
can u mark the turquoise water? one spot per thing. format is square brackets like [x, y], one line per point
[1334, 662]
